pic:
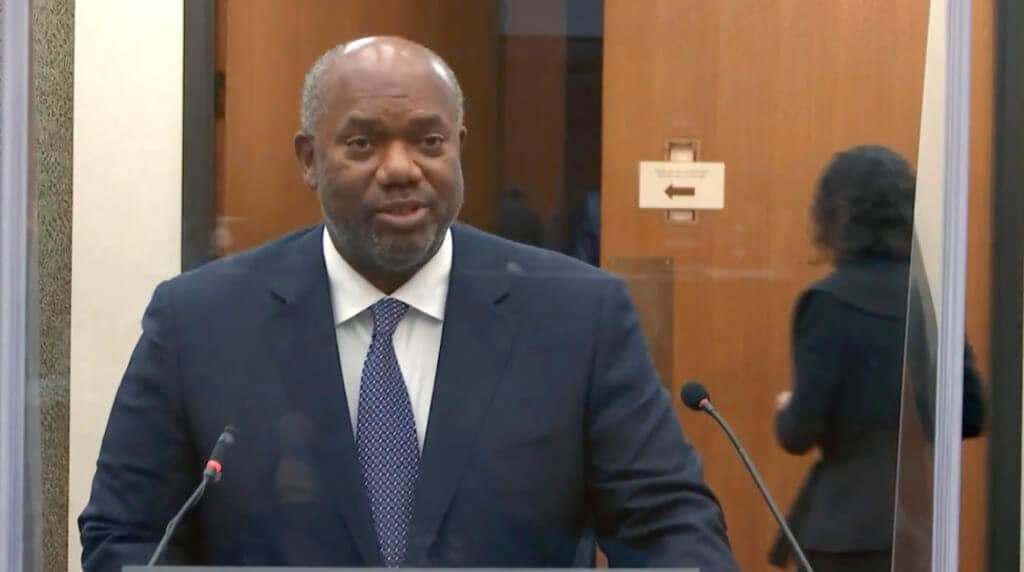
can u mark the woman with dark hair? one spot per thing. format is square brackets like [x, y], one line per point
[848, 342]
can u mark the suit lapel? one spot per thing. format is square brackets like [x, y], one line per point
[303, 338]
[474, 351]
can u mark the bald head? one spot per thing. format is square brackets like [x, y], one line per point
[372, 52]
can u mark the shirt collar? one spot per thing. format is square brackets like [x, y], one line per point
[351, 294]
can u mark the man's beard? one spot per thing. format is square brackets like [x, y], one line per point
[357, 243]
[364, 249]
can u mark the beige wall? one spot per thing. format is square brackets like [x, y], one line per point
[127, 204]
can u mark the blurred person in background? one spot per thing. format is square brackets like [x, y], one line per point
[848, 357]
[587, 241]
[515, 219]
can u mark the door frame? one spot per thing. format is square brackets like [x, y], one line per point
[199, 84]
[1007, 294]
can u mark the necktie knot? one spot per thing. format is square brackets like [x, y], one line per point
[387, 313]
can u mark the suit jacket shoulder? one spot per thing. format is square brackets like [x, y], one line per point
[475, 249]
[225, 278]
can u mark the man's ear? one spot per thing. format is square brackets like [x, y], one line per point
[462, 137]
[306, 153]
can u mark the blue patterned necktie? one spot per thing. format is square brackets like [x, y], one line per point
[386, 435]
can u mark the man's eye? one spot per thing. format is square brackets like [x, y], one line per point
[433, 141]
[359, 143]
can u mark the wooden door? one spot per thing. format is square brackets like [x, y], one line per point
[773, 89]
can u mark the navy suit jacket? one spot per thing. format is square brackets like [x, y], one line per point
[547, 421]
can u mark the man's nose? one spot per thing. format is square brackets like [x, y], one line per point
[398, 167]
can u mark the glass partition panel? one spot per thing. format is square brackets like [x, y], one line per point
[644, 194]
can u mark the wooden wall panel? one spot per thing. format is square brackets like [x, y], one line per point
[533, 119]
[773, 89]
[270, 44]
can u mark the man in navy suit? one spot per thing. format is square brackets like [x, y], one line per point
[406, 391]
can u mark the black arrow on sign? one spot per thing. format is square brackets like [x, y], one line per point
[673, 191]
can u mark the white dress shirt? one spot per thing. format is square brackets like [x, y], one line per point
[418, 336]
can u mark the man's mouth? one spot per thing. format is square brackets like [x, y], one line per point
[402, 215]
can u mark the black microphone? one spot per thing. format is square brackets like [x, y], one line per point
[211, 474]
[697, 398]
[214, 466]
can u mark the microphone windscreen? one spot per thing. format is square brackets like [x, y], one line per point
[226, 439]
[228, 436]
[693, 394]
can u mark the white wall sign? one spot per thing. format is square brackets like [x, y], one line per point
[671, 185]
